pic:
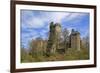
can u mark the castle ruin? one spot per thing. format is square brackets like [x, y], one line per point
[75, 39]
[54, 39]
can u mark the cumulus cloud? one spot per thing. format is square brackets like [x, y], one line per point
[37, 19]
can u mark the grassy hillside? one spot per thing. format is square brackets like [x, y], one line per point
[70, 54]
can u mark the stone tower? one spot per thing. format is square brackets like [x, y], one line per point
[57, 35]
[75, 40]
[54, 37]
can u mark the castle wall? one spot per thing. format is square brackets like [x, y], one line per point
[75, 41]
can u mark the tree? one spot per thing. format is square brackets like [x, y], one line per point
[85, 42]
[65, 36]
[25, 57]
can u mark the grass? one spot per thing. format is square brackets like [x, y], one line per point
[70, 54]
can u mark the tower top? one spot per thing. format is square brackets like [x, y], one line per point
[73, 32]
[57, 24]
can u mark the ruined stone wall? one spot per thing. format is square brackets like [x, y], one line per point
[54, 35]
[54, 39]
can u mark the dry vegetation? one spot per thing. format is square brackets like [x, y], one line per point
[71, 54]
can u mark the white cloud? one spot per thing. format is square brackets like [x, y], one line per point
[34, 21]
[56, 16]
[75, 16]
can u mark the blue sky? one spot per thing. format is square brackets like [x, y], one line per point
[35, 23]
